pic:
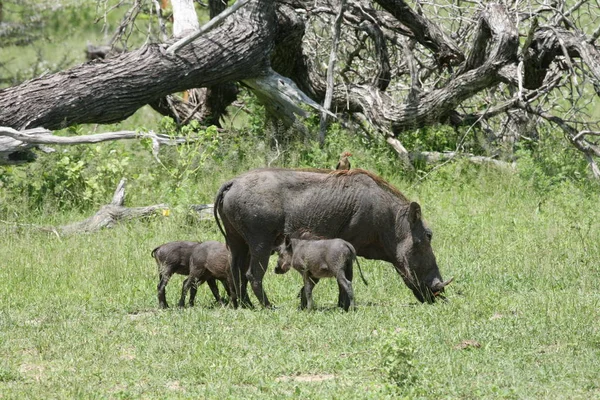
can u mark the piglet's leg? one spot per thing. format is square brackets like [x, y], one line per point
[162, 285]
[191, 283]
[194, 290]
[309, 284]
[212, 284]
[347, 298]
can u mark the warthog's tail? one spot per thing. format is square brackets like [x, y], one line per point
[360, 271]
[218, 202]
[357, 263]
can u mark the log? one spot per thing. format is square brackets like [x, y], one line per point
[109, 215]
[110, 90]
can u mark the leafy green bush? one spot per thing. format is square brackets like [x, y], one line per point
[84, 177]
[74, 177]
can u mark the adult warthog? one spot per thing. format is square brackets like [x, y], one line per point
[259, 207]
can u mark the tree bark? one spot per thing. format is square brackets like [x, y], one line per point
[425, 32]
[107, 91]
[262, 46]
[220, 96]
[209, 104]
[337, 27]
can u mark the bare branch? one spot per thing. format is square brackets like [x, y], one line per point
[432, 157]
[15, 146]
[161, 22]
[119, 196]
[213, 23]
[577, 139]
[281, 95]
[125, 24]
[425, 32]
[44, 136]
[337, 27]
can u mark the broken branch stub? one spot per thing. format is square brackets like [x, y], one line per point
[281, 96]
[110, 215]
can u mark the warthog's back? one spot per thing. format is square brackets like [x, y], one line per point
[214, 257]
[342, 204]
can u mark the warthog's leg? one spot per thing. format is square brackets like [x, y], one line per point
[342, 296]
[191, 283]
[194, 290]
[212, 284]
[309, 284]
[163, 279]
[345, 285]
[239, 265]
[302, 294]
[258, 267]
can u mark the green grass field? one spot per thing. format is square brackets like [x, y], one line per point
[79, 316]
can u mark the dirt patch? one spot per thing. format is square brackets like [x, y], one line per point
[175, 385]
[127, 354]
[305, 378]
[34, 371]
[468, 344]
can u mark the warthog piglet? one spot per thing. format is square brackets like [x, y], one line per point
[316, 259]
[202, 262]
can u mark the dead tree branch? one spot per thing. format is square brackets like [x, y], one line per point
[109, 215]
[14, 144]
[174, 48]
[337, 27]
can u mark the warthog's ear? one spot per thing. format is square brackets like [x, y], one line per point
[414, 213]
[287, 242]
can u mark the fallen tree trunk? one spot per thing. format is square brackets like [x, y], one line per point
[109, 215]
[110, 90]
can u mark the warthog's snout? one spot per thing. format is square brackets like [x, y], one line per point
[430, 293]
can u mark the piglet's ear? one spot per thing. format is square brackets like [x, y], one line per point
[288, 242]
[414, 213]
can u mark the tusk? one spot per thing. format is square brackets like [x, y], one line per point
[447, 282]
[437, 287]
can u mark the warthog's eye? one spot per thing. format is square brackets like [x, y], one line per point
[429, 234]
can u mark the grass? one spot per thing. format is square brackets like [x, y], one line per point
[79, 315]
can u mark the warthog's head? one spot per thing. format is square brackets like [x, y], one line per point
[415, 260]
[284, 262]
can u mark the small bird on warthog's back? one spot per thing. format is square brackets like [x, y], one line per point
[344, 163]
